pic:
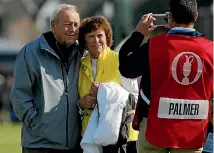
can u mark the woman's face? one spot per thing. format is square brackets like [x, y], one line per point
[95, 42]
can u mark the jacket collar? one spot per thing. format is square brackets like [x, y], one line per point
[185, 31]
[87, 60]
[45, 46]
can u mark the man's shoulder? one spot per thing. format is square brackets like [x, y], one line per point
[208, 41]
[32, 46]
[159, 36]
[33, 43]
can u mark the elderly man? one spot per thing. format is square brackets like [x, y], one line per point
[44, 93]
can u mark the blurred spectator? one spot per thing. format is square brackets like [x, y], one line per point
[1, 106]
[2, 87]
[9, 83]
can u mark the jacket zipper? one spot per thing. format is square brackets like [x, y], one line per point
[65, 81]
[66, 93]
[67, 120]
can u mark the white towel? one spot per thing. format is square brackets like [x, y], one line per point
[87, 143]
[112, 99]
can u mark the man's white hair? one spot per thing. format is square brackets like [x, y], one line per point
[59, 8]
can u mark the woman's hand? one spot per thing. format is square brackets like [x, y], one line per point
[88, 101]
[94, 89]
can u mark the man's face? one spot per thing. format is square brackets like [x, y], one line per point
[65, 27]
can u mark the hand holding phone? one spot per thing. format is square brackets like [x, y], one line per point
[144, 26]
[160, 19]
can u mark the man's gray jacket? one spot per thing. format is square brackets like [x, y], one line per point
[44, 96]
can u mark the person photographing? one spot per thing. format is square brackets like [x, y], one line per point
[176, 69]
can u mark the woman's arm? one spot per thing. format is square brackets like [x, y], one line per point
[131, 85]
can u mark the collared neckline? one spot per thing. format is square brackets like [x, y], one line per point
[186, 31]
[52, 47]
[181, 29]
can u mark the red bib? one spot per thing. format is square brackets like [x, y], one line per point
[181, 70]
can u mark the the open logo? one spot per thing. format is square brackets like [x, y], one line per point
[187, 67]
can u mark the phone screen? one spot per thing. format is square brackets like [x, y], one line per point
[161, 20]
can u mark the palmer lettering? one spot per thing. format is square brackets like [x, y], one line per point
[183, 109]
[196, 109]
[186, 109]
[171, 107]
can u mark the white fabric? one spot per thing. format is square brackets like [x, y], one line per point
[182, 28]
[144, 97]
[92, 148]
[131, 85]
[94, 67]
[112, 99]
[87, 143]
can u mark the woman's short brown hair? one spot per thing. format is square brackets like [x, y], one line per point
[92, 24]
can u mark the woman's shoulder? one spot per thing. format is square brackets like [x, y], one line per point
[113, 53]
[85, 59]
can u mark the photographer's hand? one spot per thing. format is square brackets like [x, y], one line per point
[145, 26]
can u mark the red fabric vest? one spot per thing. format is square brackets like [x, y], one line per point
[181, 70]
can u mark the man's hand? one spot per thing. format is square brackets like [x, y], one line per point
[88, 101]
[145, 25]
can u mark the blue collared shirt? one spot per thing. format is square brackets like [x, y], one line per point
[181, 29]
[185, 31]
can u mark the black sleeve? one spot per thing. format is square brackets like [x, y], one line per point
[133, 56]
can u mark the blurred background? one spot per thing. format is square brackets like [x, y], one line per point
[22, 21]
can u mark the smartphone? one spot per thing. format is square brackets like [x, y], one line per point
[161, 19]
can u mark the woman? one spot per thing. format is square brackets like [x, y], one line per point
[101, 65]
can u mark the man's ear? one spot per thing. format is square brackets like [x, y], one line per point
[52, 26]
[196, 15]
[171, 18]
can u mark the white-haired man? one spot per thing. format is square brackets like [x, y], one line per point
[44, 93]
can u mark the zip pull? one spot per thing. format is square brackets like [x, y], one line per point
[66, 93]
[66, 67]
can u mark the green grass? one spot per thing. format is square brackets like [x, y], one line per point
[10, 137]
